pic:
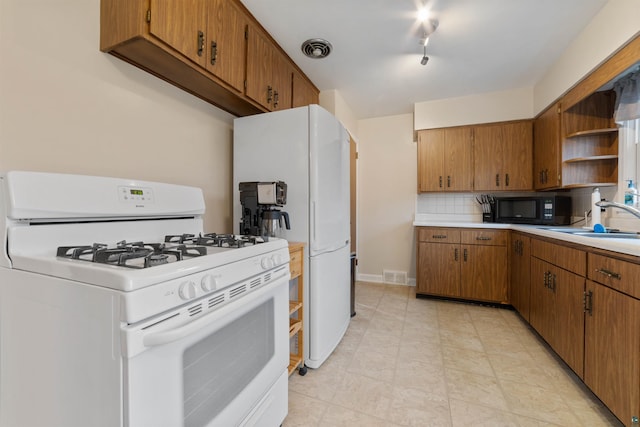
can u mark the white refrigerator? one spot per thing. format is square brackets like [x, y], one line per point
[308, 149]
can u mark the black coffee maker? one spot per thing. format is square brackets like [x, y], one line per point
[259, 214]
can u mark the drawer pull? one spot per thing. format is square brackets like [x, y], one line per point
[439, 236]
[609, 274]
[483, 238]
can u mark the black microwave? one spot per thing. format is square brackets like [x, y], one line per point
[542, 210]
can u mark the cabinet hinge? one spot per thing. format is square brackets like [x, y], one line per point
[559, 110]
[356, 155]
[148, 15]
[246, 33]
[245, 84]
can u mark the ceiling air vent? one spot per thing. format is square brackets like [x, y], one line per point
[316, 48]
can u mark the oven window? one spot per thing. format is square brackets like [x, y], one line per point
[221, 365]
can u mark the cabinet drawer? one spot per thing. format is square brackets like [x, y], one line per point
[619, 275]
[295, 265]
[570, 259]
[484, 237]
[438, 235]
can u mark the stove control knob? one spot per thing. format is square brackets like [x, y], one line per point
[209, 283]
[266, 263]
[277, 259]
[188, 290]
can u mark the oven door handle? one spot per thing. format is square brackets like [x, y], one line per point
[155, 339]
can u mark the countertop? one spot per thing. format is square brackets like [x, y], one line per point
[625, 246]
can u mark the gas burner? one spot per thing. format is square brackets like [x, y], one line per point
[133, 254]
[227, 240]
[182, 238]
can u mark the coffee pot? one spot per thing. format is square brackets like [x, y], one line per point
[272, 223]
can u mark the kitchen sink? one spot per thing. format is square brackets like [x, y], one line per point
[611, 234]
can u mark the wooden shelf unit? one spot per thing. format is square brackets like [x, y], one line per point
[296, 309]
[590, 142]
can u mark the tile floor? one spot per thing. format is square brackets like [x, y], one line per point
[416, 362]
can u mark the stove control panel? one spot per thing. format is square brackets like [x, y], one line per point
[135, 194]
[206, 284]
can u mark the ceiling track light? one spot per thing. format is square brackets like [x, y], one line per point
[425, 58]
[428, 28]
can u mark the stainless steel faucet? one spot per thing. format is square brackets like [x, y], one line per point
[604, 204]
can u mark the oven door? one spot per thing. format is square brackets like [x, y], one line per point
[224, 368]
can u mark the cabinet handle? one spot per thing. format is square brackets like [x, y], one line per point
[448, 181]
[483, 238]
[545, 176]
[440, 181]
[506, 180]
[587, 301]
[275, 99]
[497, 180]
[200, 43]
[269, 94]
[464, 255]
[455, 254]
[438, 236]
[214, 52]
[609, 274]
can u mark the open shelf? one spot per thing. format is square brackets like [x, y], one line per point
[294, 306]
[590, 184]
[592, 132]
[592, 158]
[294, 362]
[294, 326]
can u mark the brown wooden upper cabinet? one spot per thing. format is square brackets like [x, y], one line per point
[269, 75]
[444, 159]
[502, 154]
[546, 151]
[207, 48]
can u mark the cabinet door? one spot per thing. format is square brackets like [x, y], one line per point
[520, 283]
[541, 308]
[438, 269]
[430, 158]
[546, 149]
[259, 59]
[612, 350]
[282, 74]
[484, 273]
[517, 156]
[182, 25]
[226, 43]
[304, 93]
[487, 158]
[458, 165]
[568, 336]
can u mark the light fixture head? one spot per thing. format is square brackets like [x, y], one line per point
[425, 58]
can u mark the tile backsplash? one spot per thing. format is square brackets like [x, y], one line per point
[463, 207]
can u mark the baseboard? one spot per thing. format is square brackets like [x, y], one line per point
[377, 278]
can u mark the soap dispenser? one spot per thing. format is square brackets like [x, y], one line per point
[595, 210]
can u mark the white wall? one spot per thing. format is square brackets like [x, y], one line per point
[67, 107]
[387, 189]
[480, 108]
[612, 27]
[332, 101]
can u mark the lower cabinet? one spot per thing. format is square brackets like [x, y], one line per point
[612, 335]
[462, 263]
[557, 311]
[557, 296]
[520, 280]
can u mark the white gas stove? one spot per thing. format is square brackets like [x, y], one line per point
[123, 272]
